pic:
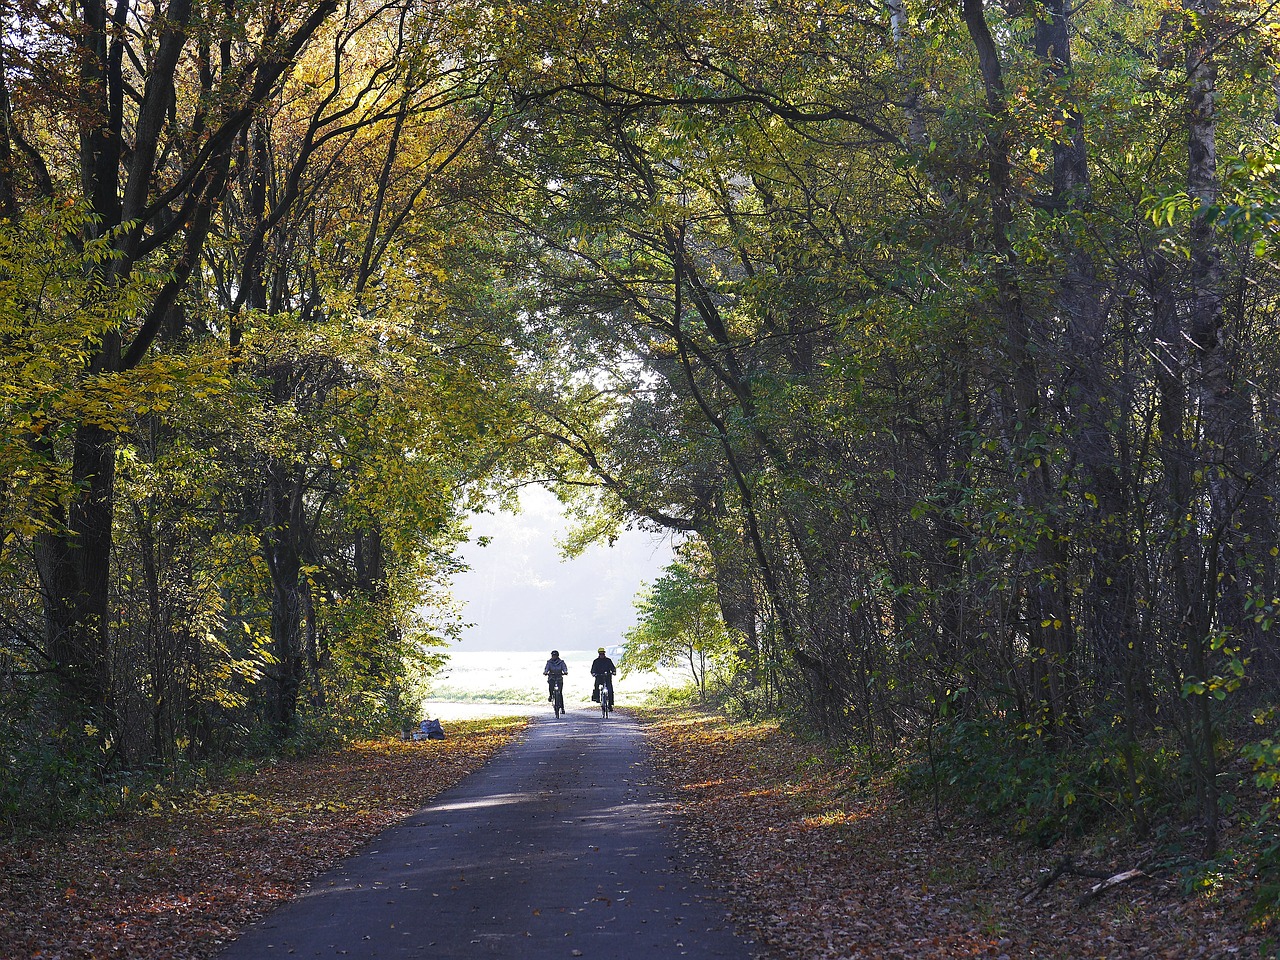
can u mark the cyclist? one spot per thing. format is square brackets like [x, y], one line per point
[602, 669]
[554, 671]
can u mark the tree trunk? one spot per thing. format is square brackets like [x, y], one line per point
[284, 561]
[1050, 628]
[1223, 457]
[75, 576]
[8, 169]
[1108, 611]
[1230, 445]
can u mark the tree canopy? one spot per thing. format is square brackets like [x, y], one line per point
[946, 334]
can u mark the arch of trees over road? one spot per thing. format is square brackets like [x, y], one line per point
[948, 332]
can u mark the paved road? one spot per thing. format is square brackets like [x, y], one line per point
[559, 848]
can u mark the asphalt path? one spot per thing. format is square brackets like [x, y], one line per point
[560, 847]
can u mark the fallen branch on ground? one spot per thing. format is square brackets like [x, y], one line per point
[1098, 889]
[1066, 867]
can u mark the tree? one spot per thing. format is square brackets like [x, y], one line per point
[211, 382]
[934, 365]
[155, 100]
[679, 622]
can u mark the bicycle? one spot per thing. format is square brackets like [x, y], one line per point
[557, 692]
[606, 702]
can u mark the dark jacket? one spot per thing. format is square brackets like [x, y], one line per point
[556, 667]
[602, 666]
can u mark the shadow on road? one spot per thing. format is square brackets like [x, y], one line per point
[560, 847]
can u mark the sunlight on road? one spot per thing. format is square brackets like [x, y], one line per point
[496, 800]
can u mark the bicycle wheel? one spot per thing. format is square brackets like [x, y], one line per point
[559, 702]
[606, 703]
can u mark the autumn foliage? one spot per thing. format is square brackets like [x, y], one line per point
[948, 333]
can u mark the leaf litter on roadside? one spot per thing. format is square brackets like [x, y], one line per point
[180, 878]
[819, 860]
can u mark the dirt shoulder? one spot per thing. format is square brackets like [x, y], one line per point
[177, 879]
[824, 863]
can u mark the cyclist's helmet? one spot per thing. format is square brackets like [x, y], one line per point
[555, 653]
[602, 649]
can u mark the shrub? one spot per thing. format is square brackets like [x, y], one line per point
[1014, 776]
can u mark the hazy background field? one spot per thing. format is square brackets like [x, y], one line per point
[486, 682]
